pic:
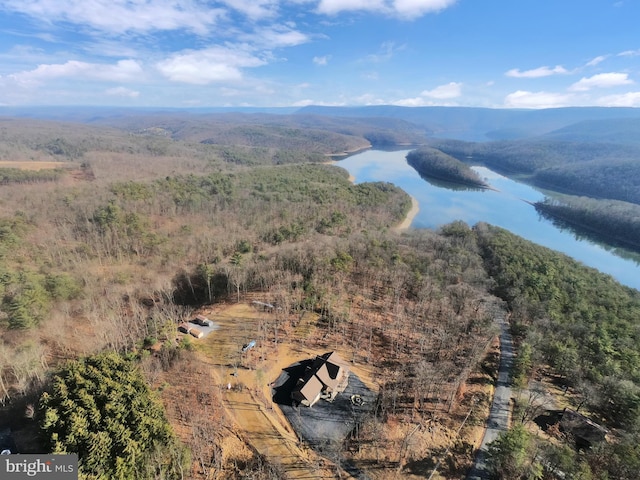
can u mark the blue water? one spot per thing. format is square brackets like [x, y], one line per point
[506, 207]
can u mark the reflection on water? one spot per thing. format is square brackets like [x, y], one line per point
[586, 235]
[437, 182]
[508, 206]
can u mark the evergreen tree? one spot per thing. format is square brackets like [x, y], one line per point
[101, 408]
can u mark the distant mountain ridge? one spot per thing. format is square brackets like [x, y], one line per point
[624, 131]
[482, 124]
[602, 124]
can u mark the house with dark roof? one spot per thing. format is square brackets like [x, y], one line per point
[325, 378]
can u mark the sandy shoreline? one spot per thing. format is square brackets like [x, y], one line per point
[406, 223]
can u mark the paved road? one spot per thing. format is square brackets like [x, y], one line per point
[498, 420]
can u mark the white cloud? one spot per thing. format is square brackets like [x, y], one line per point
[443, 92]
[332, 7]
[629, 99]
[368, 99]
[122, 92]
[303, 103]
[322, 61]
[524, 99]
[537, 72]
[255, 9]
[421, 102]
[121, 16]
[47, 37]
[412, 102]
[275, 37]
[306, 102]
[408, 9]
[417, 8]
[386, 52]
[595, 61]
[25, 53]
[433, 97]
[601, 80]
[215, 64]
[122, 71]
[629, 53]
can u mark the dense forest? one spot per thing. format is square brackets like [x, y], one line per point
[432, 163]
[614, 221]
[102, 261]
[584, 326]
[298, 132]
[597, 170]
[599, 181]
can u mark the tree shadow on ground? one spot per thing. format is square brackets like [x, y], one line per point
[548, 419]
[424, 466]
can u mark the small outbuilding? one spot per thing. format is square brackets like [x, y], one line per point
[184, 327]
[585, 431]
[325, 378]
[188, 328]
[194, 332]
[203, 321]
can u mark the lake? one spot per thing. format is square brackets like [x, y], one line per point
[506, 207]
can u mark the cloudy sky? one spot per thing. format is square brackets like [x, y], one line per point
[196, 53]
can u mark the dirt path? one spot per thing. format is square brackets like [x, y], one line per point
[248, 400]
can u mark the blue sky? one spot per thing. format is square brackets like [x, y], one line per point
[192, 53]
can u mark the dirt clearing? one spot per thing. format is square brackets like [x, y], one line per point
[244, 379]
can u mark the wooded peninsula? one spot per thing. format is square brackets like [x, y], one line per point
[432, 163]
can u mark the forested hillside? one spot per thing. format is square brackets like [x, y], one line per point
[101, 261]
[614, 221]
[585, 327]
[598, 167]
[115, 260]
[331, 134]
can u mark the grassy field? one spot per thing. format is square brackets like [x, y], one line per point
[33, 166]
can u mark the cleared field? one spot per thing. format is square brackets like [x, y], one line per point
[249, 374]
[26, 165]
